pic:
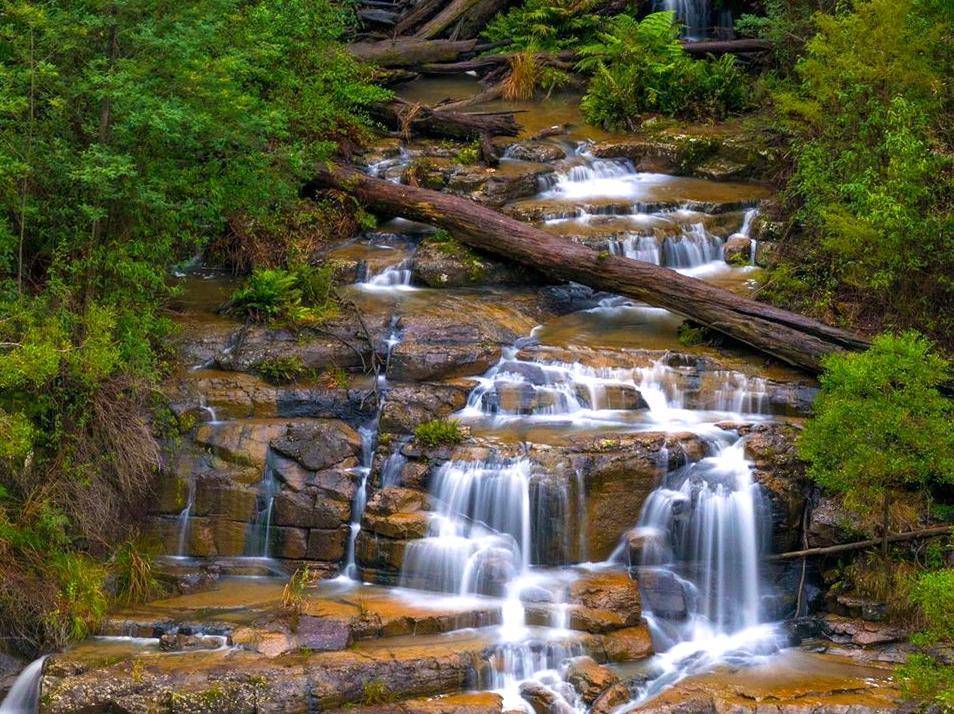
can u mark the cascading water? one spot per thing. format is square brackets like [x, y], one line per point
[258, 540]
[480, 531]
[24, 696]
[694, 14]
[393, 277]
[182, 522]
[701, 536]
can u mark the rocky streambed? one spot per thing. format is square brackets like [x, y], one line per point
[597, 541]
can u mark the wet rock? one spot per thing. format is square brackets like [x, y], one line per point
[844, 630]
[449, 264]
[408, 405]
[588, 678]
[467, 703]
[564, 299]
[831, 523]
[611, 591]
[454, 337]
[241, 442]
[662, 593]
[327, 545]
[221, 498]
[288, 542]
[343, 348]
[544, 700]
[738, 250]
[778, 469]
[614, 697]
[509, 181]
[629, 644]
[320, 445]
[541, 152]
[183, 641]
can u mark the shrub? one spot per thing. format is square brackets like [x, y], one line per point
[305, 294]
[439, 432]
[640, 66]
[880, 427]
[922, 677]
[281, 369]
[293, 594]
[934, 595]
[868, 121]
[545, 25]
[133, 568]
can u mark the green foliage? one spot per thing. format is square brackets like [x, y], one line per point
[439, 432]
[788, 25]
[922, 676]
[469, 155]
[881, 427]
[934, 595]
[545, 25]
[924, 679]
[134, 571]
[376, 691]
[303, 295]
[872, 182]
[640, 66]
[281, 369]
[131, 133]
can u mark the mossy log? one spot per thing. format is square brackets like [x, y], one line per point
[411, 52]
[790, 337]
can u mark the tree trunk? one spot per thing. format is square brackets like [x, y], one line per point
[458, 10]
[792, 338]
[885, 523]
[417, 119]
[932, 532]
[421, 12]
[410, 52]
[701, 48]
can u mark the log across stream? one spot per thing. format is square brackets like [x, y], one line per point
[792, 338]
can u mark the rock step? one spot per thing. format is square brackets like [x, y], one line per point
[137, 678]
[330, 615]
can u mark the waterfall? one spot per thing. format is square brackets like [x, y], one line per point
[393, 277]
[24, 696]
[258, 541]
[480, 532]
[369, 436]
[182, 521]
[702, 534]
[694, 14]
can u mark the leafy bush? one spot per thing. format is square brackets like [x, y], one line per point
[439, 432]
[281, 369]
[869, 123]
[305, 294]
[640, 66]
[788, 25]
[545, 25]
[880, 427]
[922, 676]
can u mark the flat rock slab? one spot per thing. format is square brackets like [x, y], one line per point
[794, 682]
[135, 678]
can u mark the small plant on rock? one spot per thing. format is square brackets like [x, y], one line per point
[293, 595]
[281, 369]
[439, 432]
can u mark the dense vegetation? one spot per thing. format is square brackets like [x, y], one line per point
[132, 132]
[870, 196]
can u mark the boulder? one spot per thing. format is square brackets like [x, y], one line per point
[449, 264]
[864, 633]
[612, 591]
[407, 405]
[588, 678]
[662, 593]
[544, 700]
[629, 644]
[536, 151]
[738, 250]
[319, 445]
[617, 695]
[327, 545]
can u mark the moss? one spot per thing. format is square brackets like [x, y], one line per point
[438, 432]
[282, 369]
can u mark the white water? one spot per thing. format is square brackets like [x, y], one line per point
[694, 14]
[259, 536]
[393, 277]
[24, 696]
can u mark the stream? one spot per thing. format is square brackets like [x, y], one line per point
[520, 545]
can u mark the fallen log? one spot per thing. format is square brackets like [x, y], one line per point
[408, 118]
[792, 338]
[421, 12]
[474, 11]
[701, 48]
[862, 544]
[411, 52]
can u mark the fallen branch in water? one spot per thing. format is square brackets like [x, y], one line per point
[793, 338]
[862, 544]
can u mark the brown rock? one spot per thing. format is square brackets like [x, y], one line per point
[327, 545]
[632, 643]
[320, 445]
[610, 590]
[288, 542]
[588, 678]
